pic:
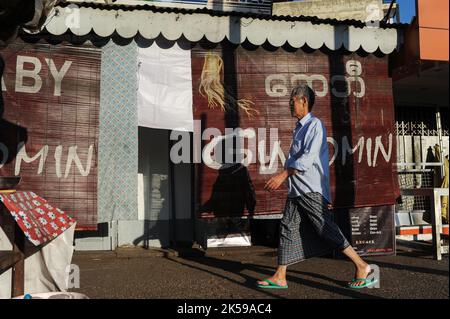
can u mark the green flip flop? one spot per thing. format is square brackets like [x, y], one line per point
[271, 285]
[367, 283]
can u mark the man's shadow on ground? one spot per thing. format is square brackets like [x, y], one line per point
[237, 267]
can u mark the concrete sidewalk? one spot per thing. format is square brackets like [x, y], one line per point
[232, 272]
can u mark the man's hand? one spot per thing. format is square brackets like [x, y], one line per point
[276, 181]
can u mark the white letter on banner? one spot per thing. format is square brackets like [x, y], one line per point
[34, 74]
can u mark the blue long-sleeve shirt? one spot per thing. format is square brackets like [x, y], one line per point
[309, 155]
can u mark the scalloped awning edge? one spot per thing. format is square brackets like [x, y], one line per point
[127, 24]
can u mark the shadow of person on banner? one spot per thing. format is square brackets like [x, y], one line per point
[11, 136]
[232, 192]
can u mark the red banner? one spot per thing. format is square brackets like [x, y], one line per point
[250, 89]
[49, 130]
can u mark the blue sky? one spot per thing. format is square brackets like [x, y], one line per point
[407, 10]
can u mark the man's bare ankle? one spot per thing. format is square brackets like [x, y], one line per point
[279, 277]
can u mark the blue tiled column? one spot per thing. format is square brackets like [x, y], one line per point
[118, 137]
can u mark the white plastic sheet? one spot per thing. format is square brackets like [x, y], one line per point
[45, 270]
[165, 88]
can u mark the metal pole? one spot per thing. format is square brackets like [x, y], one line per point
[404, 142]
[173, 213]
[439, 131]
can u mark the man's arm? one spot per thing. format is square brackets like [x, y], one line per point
[303, 162]
[276, 181]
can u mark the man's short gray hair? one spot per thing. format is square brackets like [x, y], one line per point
[303, 90]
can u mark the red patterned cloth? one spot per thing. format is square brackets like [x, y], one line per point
[39, 221]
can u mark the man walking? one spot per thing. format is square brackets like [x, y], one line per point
[307, 228]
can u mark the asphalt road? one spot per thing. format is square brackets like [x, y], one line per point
[410, 274]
